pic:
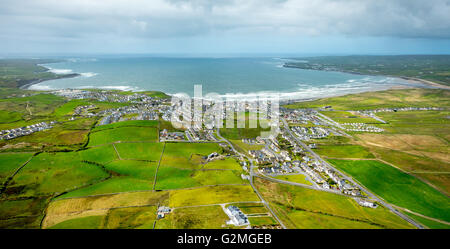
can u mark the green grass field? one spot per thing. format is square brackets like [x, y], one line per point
[227, 163]
[89, 222]
[69, 107]
[113, 185]
[130, 218]
[374, 100]
[343, 151]
[209, 217]
[347, 117]
[398, 187]
[9, 117]
[50, 173]
[239, 133]
[39, 104]
[140, 151]
[10, 162]
[308, 220]
[187, 155]
[138, 169]
[428, 223]
[211, 195]
[22, 207]
[174, 178]
[416, 122]
[301, 207]
[251, 208]
[22, 213]
[300, 178]
[244, 147]
[55, 138]
[128, 123]
[262, 221]
[102, 155]
[123, 134]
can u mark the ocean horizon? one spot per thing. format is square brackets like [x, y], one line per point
[227, 76]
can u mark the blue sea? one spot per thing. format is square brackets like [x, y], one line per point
[239, 77]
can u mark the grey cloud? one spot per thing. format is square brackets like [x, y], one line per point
[180, 18]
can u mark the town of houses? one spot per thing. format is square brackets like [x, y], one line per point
[27, 130]
[121, 113]
[280, 155]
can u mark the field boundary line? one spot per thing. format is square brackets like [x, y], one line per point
[430, 172]
[157, 167]
[410, 173]
[423, 216]
[106, 208]
[216, 204]
[149, 190]
[125, 126]
[5, 184]
[117, 152]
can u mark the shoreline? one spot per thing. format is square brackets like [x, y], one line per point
[399, 87]
[427, 82]
[410, 79]
[283, 100]
[58, 76]
[34, 82]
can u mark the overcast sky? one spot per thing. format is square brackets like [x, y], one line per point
[225, 26]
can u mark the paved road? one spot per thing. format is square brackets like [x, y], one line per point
[251, 179]
[373, 196]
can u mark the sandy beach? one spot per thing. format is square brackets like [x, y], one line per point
[416, 80]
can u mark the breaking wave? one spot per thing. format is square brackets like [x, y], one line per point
[60, 71]
[88, 74]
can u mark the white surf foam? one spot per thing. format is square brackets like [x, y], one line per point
[122, 88]
[60, 71]
[88, 74]
[40, 87]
